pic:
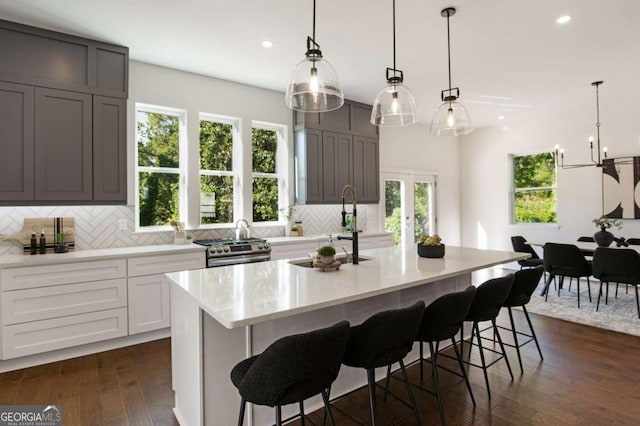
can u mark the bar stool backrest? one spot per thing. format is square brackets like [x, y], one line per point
[443, 317]
[489, 298]
[524, 283]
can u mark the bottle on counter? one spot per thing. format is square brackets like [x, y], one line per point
[298, 225]
[34, 249]
[43, 243]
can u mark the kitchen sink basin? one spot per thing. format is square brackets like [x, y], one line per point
[308, 263]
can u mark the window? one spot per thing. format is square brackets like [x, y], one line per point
[534, 188]
[160, 170]
[216, 170]
[266, 176]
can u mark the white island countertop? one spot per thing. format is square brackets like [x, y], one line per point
[241, 295]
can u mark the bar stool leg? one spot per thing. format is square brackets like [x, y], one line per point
[302, 419]
[386, 386]
[533, 333]
[410, 392]
[484, 364]
[371, 379]
[436, 383]
[278, 416]
[515, 338]
[504, 353]
[464, 372]
[241, 417]
[327, 409]
[421, 361]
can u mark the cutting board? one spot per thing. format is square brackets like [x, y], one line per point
[37, 225]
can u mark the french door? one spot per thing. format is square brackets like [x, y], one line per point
[409, 205]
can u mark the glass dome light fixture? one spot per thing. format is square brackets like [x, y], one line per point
[314, 84]
[451, 118]
[395, 105]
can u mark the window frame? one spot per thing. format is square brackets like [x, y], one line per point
[513, 190]
[280, 174]
[236, 164]
[181, 171]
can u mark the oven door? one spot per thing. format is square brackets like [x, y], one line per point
[213, 262]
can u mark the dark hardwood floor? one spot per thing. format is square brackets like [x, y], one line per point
[589, 376]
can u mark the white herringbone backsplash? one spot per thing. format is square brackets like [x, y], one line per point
[97, 226]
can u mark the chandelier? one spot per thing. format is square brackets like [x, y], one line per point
[601, 152]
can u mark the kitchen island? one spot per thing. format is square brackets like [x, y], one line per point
[223, 315]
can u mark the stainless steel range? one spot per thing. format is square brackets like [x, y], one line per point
[230, 251]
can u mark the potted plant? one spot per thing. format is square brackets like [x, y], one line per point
[430, 246]
[603, 237]
[326, 255]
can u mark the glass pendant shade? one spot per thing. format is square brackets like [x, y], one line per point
[394, 106]
[451, 119]
[314, 87]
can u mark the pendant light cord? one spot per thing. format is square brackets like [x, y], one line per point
[449, 56]
[314, 21]
[394, 37]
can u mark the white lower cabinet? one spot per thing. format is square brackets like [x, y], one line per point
[41, 336]
[149, 304]
[149, 294]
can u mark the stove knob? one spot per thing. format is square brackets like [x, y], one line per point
[226, 249]
[266, 245]
[219, 249]
[260, 246]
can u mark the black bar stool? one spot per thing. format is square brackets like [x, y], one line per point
[292, 369]
[524, 284]
[384, 339]
[486, 306]
[441, 321]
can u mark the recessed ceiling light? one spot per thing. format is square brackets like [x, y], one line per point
[563, 19]
[267, 44]
[501, 117]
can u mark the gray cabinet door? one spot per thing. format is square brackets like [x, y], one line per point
[366, 168]
[16, 142]
[336, 164]
[63, 152]
[310, 166]
[109, 149]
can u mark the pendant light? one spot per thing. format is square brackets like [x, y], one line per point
[395, 104]
[451, 118]
[314, 85]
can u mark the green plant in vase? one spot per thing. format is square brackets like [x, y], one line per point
[430, 246]
[326, 255]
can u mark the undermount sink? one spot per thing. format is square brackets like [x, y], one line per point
[308, 263]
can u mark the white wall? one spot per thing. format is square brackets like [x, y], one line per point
[485, 169]
[413, 149]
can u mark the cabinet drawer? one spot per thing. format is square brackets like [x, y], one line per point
[160, 264]
[49, 275]
[59, 333]
[56, 301]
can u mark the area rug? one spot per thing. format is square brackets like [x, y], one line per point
[620, 314]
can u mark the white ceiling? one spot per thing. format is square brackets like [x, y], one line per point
[509, 57]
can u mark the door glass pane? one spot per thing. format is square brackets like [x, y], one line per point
[393, 209]
[421, 202]
[158, 194]
[216, 199]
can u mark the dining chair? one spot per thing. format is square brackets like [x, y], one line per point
[520, 245]
[565, 260]
[291, 370]
[619, 266]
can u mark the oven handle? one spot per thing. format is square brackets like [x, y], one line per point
[223, 261]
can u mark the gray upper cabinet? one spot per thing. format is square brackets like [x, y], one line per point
[50, 59]
[16, 142]
[109, 149]
[334, 149]
[63, 148]
[63, 118]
